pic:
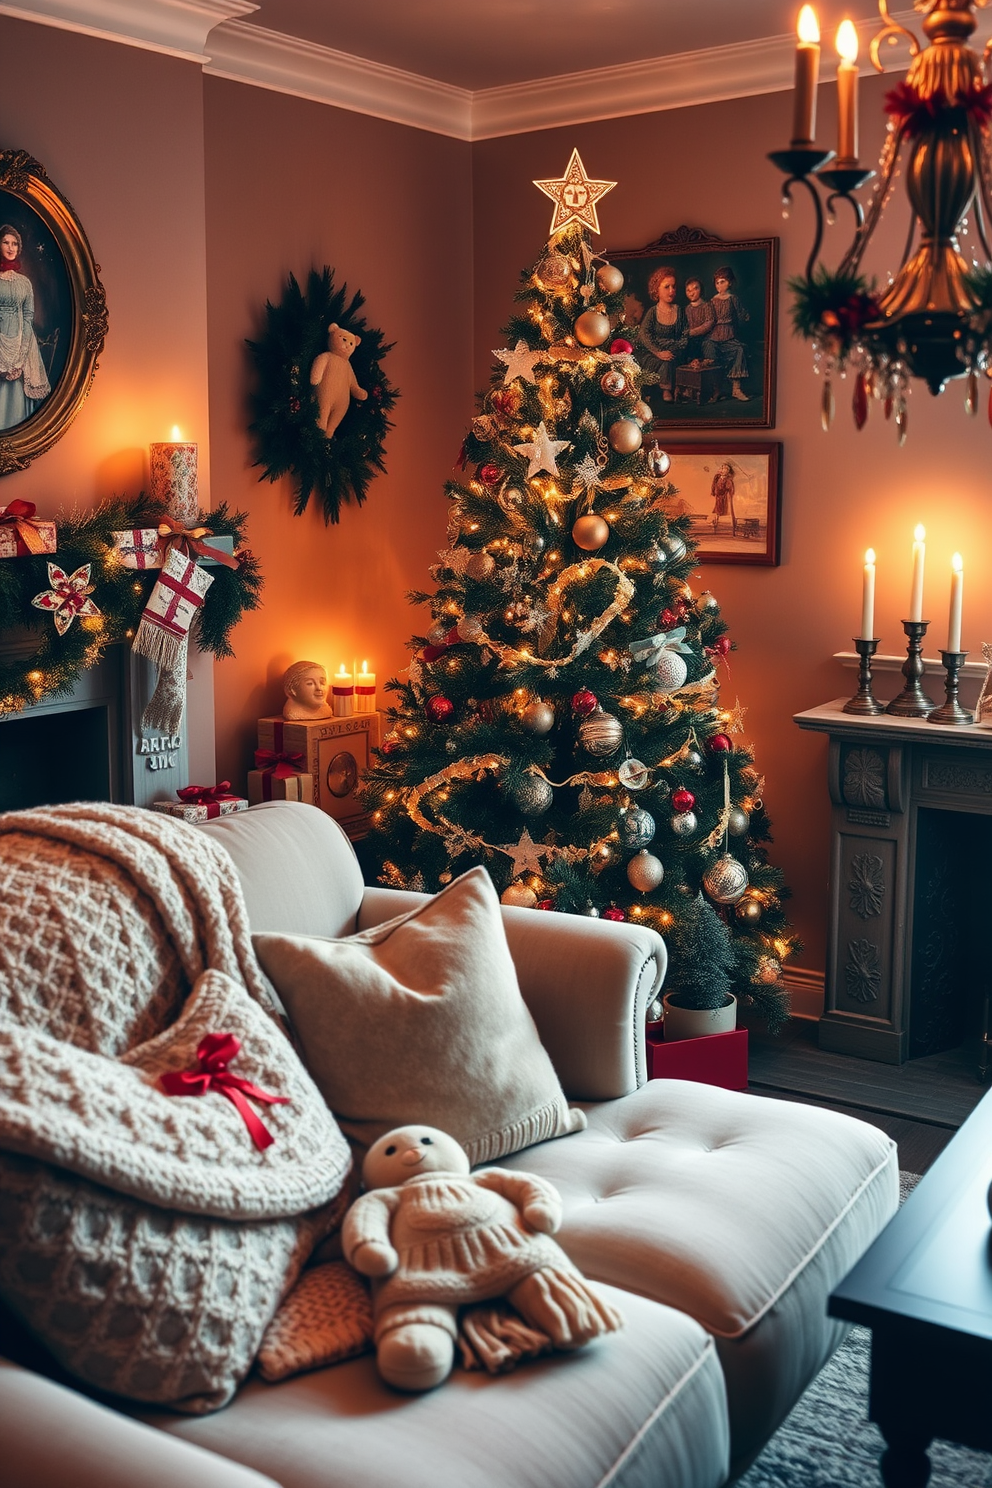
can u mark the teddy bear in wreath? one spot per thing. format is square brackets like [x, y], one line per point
[436, 1238]
[334, 378]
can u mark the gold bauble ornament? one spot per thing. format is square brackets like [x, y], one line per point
[600, 734]
[749, 910]
[625, 436]
[590, 532]
[725, 880]
[609, 279]
[592, 328]
[519, 895]
[645, 871]
[554, 271]
[769, 971]
[614, 384]
[538, 718]
[643, 411]
[480, 565]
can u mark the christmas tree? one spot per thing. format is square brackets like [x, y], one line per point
[560, 721]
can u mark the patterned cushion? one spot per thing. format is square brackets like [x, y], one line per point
[327, 1317]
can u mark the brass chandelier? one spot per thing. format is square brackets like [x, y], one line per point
[934, 320]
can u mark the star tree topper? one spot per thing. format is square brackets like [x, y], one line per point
[542, 451]
[575, 196]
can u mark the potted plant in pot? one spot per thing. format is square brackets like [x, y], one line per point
[701, 963]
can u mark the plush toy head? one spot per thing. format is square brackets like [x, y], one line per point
[408, 1150]
[340, 341]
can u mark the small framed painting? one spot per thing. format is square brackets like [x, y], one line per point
[701, 313]
[732, 493]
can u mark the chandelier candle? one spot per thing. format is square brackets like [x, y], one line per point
[343, 692]
[847, 95]
[868, 597]
[807, 76]
[919, 558]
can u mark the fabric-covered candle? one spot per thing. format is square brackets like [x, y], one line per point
[173, 478]
[868, 598]
[365, 690]
[343, 692]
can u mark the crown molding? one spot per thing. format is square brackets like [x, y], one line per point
[179, 28]
[287, 64]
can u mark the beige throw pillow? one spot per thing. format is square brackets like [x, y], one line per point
[421, 1019]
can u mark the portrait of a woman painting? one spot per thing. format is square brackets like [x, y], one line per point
[35, 312]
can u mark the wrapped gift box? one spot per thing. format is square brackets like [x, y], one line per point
[714, 1059]
[201, 811]
[267, 785]
[337, 752]
[12, 545]
[141, 547]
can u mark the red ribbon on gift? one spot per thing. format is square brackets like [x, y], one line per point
[190, 540]
[281, 766]
[214, 1053]
[20, 514]
[206, 795]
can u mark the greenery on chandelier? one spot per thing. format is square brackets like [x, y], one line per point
[560, 719]
[42, 663]
[832, 304]
[288, 438]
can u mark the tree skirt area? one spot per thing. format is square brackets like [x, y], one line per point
[828, 1441]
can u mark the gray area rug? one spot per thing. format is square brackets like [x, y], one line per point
[828, 1441]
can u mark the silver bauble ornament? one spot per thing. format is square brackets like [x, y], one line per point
[609, 279]
[738, 822]
[676, 547]
[614, 384]
[725, 880]
[591, 912]
[656, 1011]
[645, 871]
[480, 565]
[438, 632]
[512, 496]
[706, 602]
[600, 734]
[671, 671]
[657, 557]
[684, 824]
[519, 895]
[643, 411]
[470, 628]
[590, 533]
[659, 461]
[634, 774]
[554, 271]
[531, 795]
[537, 544]
[624, 436]
[693, 759]
[592, 328]
[538, 718]
[636, 828]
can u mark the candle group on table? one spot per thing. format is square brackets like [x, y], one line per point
[916, 592]
[807, 77]
[354, 691]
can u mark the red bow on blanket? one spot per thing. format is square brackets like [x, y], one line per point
[205, 795]
[284, 765]
[215, 1052]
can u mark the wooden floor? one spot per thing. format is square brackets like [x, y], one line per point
[920, 1104]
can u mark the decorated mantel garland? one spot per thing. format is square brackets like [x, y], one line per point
[92, 599]
[320, 408]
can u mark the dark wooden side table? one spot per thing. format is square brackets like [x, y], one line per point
[925, 1290]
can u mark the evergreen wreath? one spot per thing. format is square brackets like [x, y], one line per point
[49, 665]
[288, 438]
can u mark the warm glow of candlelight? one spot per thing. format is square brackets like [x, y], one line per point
[870, 555]
[177, 434]
[847, 41]
[808, 27]
[807, 76]
[847, 95]
[920, 532]
[957, 563]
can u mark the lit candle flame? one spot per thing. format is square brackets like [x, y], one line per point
[869, 555]
[847, 41]
[807, 28]
[957, 563]
[920, 532]
[177, 434]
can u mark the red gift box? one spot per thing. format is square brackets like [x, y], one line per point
[714, 1059]
[199, 803]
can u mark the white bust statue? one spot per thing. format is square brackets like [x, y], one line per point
[305, 686]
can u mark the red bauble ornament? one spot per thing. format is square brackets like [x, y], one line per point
[583, 703]
[668, 618]
[613, 913]
[389, 746]
[545, 904]
[720, 743]
[439, 708]
[620, 347]
[720, 647]
[682, 799]
[294, 405]
[490, 475]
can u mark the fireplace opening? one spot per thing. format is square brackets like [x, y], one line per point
[47, 759]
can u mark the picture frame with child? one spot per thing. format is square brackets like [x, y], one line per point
[701, 313]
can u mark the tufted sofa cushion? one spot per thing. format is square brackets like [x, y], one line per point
[741, 1211]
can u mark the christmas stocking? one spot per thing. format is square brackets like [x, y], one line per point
[163, 636]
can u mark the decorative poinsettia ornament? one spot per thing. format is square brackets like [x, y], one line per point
[68, 597]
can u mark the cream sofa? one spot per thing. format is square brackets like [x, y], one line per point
[717, 1222]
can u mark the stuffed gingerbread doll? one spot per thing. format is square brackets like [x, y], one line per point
[434, 1237]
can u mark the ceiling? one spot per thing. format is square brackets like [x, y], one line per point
[480, 44]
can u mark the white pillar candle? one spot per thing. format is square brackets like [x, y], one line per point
[847, 95]
[868, 598]
[365, 690]
[957, 596]
[343, 692]
[807, 76]
[919, 557]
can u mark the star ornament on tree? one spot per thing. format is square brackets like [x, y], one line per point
[525, 854]
[519, 362]
[575, 196]
[542, 451]
[68, 596]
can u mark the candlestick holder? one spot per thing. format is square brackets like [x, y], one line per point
[951, 712]
[913, 702]
[864, 700]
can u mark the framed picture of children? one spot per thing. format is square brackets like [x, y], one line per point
[53, 312]
[701, 313]
[731, 491]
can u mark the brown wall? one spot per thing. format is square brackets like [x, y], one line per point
[843, 491]
[292, 184]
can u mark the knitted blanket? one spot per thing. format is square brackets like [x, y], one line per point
[124, 942]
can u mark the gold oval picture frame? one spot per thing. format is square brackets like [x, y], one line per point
[53, 313]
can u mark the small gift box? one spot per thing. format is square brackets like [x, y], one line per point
[21, 533]
[145, 547]
[200, 803]
[336, 753]
[279, 777]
